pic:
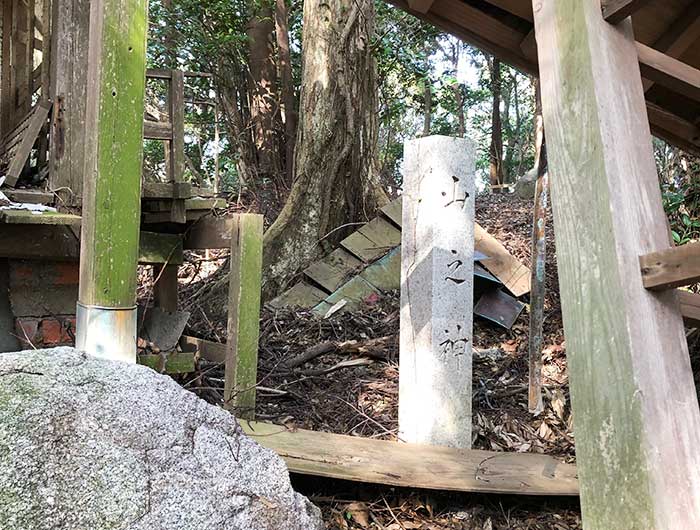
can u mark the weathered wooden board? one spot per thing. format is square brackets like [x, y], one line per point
[26, 217]
[29, 196]
[615, 11]
[301, 294]
[416, 466]
[173, 363]
[673, 267]
[382, 233]
[333, 270]
[211, 351]
[25, 142]
[502, 264]
[392, 211]
[69, 56]
[690, 308]
[160, 248]
[209, 232]
[386, 272]
[354, 292]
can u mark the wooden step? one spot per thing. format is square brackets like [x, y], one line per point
[415, 466]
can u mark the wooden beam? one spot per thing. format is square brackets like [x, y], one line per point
[673, 129]
[690, 308]
[501, 263]
[458, 18]
[158, 249]
[214, 352]
[680, 36]
[178, 214]
[372, 461]
[615, 11]
[421, 6]
[245, 280]
[157, 130]
[519, 8]
[669, 72]
[673, 267]
[209, 232]
[632, 388]
[166, 190]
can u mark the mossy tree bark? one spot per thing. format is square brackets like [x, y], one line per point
[335, 156]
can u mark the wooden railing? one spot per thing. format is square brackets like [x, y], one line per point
[173, 133]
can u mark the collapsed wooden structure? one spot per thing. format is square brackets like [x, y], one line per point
[612, 73]
[608, 82]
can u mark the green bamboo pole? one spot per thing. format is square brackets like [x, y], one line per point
[112, 178]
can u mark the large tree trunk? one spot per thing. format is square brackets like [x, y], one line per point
[263, 90]
[335, 159]
[286, 86]
[496, 151]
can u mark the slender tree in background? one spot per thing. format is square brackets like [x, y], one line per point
[263, 90]
[496, 149]
[286, 87]
[335, 155]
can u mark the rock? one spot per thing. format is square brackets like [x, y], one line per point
[525, 186]
[93, 445]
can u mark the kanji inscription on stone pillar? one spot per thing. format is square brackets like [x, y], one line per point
[435, 366]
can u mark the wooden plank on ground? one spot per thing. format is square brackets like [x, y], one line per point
[384, 234]
[415, 466]
[674, 267]
[392, 211]
[690, 308]
[333, 270]
[302, 295]
[501, 263]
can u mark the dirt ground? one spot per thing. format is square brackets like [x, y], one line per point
[363, 400]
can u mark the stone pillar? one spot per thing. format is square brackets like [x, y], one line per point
[435, 366]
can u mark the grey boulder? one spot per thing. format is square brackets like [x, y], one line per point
[88, 444]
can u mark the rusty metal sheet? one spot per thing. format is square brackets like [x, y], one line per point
[499, 307]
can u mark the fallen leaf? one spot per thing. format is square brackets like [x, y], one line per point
[359, 513]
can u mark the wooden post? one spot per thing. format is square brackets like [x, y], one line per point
[165, 287]
[243, 314]
[68, 92]
[637, 420]
[6, 99]
[178, 213]
[539, 262]
[112, 200]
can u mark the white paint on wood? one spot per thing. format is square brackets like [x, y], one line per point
[437, 292]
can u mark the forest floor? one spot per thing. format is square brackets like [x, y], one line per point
[363, 400]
